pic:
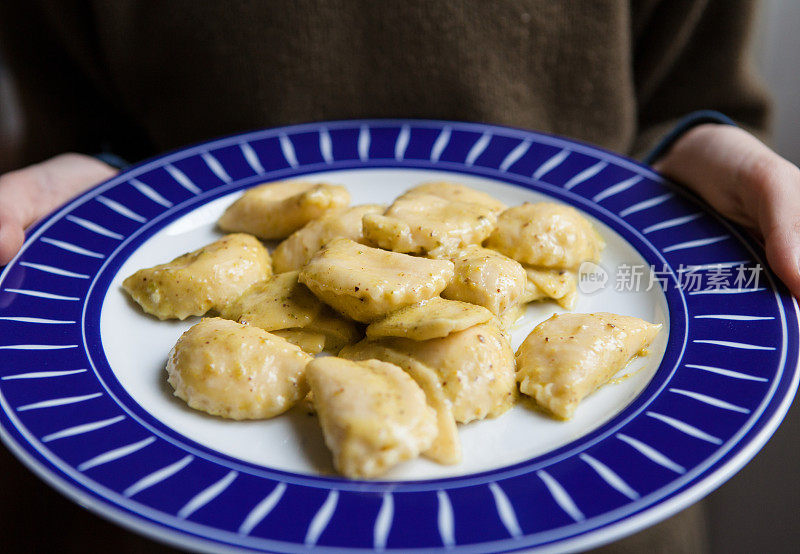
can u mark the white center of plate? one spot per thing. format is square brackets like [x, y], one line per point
[137, 345]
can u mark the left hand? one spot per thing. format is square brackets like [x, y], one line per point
[28, 194]
[747, 182]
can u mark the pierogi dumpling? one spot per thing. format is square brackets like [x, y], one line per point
[424, 223]
[236, 371]
[456, 192]
[283, 303]
[309, 341]
[338, 330]
[446, 448]
[428, 362]
[280, 302]
[475, 367]
[366, 283]
[276, 210]
[429, 319]
[559, 284]
[297, 249]
[210, 277]
[567, 357]
[486, 278]
[546, 234]
[373, 414]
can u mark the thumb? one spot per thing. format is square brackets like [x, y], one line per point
[783, 254]
[779, 223]
[11, 236]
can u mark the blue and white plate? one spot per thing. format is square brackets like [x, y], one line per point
[86, 406]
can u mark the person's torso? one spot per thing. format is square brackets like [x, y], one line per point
[191, 71]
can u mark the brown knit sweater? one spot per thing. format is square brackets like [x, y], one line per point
[145, 76]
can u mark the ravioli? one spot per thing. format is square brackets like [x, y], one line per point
[560, 285]
[456, 192]
[366, 283]
[373, 414]
[429, 319]
[547, 235]
[475, 367]
[297, 249]
[236, 371]
[567, 357]
[276, 210]
[486, 278]
[208, 278]
[423, 223]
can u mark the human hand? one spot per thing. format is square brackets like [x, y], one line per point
[32, 192]
[747, 182]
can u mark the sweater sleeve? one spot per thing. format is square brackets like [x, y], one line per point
[693, 55]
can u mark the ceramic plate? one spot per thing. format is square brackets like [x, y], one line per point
[85, 403]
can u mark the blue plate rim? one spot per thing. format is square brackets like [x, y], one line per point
[738, 459]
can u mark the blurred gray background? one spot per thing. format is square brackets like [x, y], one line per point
[777, 56]
[757, 510]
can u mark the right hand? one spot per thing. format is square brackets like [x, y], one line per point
[30, 193]
[747, 182]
